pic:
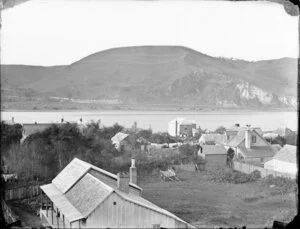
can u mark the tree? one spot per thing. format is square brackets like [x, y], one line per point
[10, 134]
[220, 130]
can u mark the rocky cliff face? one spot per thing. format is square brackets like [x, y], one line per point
[165, 75]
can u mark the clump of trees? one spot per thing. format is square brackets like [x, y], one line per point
[44, 154]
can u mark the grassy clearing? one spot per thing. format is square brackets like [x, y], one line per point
[205, 203]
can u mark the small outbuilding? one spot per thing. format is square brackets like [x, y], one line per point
[284, 161]
[215, 154]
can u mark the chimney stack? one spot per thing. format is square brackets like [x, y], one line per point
[133, 172]
[123, 182]
[13, 120]
[248, 137]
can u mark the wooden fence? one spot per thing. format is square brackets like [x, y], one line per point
[22, 192]
[247, 168]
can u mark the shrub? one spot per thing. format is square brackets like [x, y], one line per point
[235, 177]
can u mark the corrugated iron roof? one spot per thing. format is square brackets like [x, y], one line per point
[288, 154]
[214, 149]
[61, 202]
[119, 137]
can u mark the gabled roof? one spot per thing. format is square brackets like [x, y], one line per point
[61, 202]
[119, 137]
[241, 136]
[87, 192]
[213, 137]
[214, 149]
[32, 128]
[257, 151]
[288, 154]
[70, 175]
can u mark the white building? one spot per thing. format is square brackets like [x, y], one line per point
[284, 161]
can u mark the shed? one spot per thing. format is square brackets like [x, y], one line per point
[284, 161]
[121, 142]
[215, 154]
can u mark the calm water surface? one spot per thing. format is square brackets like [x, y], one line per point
[158, 120]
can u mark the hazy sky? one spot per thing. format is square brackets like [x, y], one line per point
[51, 32]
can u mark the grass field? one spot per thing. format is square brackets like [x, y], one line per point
[204, 203]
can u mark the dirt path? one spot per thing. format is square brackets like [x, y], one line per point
[28, 219]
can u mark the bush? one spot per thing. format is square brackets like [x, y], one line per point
[235, 177]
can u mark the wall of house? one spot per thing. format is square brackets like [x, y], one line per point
[172, 128]
[259, 140]
[215, 159]
[126, 214]
[186, 129]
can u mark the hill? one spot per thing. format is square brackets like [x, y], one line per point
[151, 75]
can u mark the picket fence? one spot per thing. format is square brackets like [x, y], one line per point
[247, 168]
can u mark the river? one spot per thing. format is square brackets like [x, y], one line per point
[158, 120]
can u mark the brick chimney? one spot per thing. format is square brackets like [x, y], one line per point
[248, 137]
[133, 172]
[123, 182]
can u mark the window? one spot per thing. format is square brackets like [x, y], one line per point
[253, 138]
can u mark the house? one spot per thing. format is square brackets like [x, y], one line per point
[211, 139]
[232, 131]
[32, 128]
[121, 142]
[85, 196]
[284, 161]
[250, 146]
[215, 154]
[181, 127]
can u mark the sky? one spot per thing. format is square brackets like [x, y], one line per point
[60, 32]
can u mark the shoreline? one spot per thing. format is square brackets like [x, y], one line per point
[154, 110]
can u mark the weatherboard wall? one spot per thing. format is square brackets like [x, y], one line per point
[116, 212]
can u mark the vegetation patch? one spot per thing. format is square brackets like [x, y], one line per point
[235, 177]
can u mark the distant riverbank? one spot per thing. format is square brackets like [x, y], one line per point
[158, 120]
